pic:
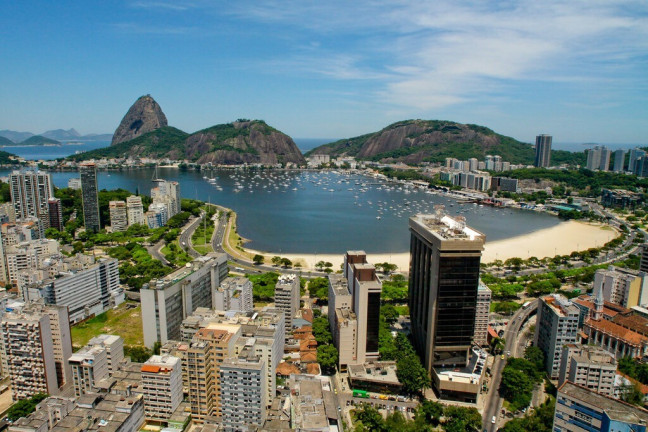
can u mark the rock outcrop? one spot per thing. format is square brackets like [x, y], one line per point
[144, 116]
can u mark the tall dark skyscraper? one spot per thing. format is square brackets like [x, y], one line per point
[55, 213]
[444, 279]
[543, 151]
[90, 197]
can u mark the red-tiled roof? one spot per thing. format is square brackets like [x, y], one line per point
[616, 331]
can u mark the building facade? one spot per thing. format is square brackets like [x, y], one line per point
[588, 366]
[166, 302]
[161, 386]
[55, 212]
[234, 293]
[543, 151]
[90, 197]
[118, 216]
[30, 192]
[557, 325]
[135, 210]
[287, 297]
[482, 314]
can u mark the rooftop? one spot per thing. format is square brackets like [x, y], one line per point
[560, 305]
[378, 372]
[446, 227]
[614, 408]
[618, 332]
[338, 284]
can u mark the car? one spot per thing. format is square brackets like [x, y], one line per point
[494, 420]
[335, 391]
[508, 353]
[503, 356]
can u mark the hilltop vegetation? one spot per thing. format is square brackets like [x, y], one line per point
[38, 140]
[415, 141]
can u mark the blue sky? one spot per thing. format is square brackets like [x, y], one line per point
[331, 69]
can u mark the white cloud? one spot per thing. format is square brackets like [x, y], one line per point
[433, 54]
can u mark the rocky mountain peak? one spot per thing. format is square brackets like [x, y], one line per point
[145, 115]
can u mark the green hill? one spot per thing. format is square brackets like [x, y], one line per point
[416, 141]
[5, 158]
[6, 142]
[38, 140]
[243, 141]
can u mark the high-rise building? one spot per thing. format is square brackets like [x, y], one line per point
[30, 192]
[167, 301]
[55, 212]
[161, 386]
[598, 158]
[89, 366]
[135, 210]
[543, 151]
[482, 314]
[588, 366]
[635, 154]
[579, 409]
[243, 390]
[36, 346]
[118, 216]
[90, 197]
[86, 292]
[167, 193]
[622, 286]
[619, 160]
[557, 325]
[287, 298]
[365, 290]
[643, 264]
[443, 286]
[234, 293]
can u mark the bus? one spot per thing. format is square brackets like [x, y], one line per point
[360, 394]
[526, 305]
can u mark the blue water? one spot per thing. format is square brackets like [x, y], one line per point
[307, 211]
[322, 215]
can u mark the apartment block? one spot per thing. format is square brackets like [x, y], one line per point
[86, 292]
[36, 345]
[162, 386]
[287, 297]
[339, 297]
[166, 302]
[234, 293]
[579, 409]
[166, 193]
[89, 366]
[29, 256]
[624, 287]
[135, 210]
[114, 346]
[482, 314]
[346, 337]
[118, 215]
[588, 366]
[55, 213]
[243, 390]
[557, 325]
[30, 192]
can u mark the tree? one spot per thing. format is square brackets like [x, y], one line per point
[462, 419]
[327, 357]
[258, 259]
[321, 331]
[538, 420]
[285, 262]
[276, 260]
[431, 411]
[319, 265]
[390, 313]
[535, 356]
[318, 288]
[412, 375]
[516, 387]
[24, 407]
[370, 418]
[632, 394]
[497, 345]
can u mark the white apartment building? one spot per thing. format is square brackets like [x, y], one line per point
[166, 302]
[135, 210]
[556, 326]
[345, 336]
[243, 391]
[29, 255]
[162, 386]
[86, 292]
[482, 313]
[157, 215]
[167, 193]
[624, 287]
[89, 366]
[588, 366]
[287, 298]
[118, 216]
[234, 293]
[30, 191]
[114, 346]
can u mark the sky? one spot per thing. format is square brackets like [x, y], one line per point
[577, 70]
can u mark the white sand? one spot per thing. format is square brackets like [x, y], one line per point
[561, 239]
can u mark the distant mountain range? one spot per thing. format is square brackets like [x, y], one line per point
[55, 134]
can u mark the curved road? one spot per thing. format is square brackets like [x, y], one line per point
[185, 236]
[493, 404]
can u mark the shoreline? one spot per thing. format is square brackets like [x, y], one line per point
[562, 239]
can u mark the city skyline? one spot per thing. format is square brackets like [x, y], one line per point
[316, 71]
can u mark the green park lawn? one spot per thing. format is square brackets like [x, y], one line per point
[125, 321]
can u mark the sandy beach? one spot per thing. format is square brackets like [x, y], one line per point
[561, 239]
